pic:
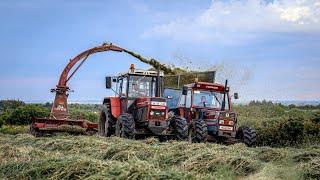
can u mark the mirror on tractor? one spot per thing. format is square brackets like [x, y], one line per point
[108, 82]
[236, 96]
[184, 90]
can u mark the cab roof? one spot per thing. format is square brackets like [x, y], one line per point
[140, 72]
[206, 86]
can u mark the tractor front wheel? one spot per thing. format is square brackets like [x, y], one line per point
[198, 131]
[106, 123]
[125, 126]
[247, 135]
[180, 128]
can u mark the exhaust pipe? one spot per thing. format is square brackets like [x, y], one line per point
[223, 106]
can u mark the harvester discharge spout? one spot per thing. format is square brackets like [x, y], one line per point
[60, 106]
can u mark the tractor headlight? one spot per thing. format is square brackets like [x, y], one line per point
[231, 123]
[221, 121]
[151, 113]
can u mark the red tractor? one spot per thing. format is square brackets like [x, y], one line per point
[208, 110]
[138, 110]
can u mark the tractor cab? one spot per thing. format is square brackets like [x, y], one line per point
[136, 83]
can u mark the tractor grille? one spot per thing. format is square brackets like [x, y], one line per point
[227, 121]
[227, 115]
[159, 114]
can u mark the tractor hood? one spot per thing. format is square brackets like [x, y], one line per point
[211, 113]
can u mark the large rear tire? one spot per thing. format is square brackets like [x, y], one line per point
[106, 123]
[125, 126]
[247, 135]
[180, 128]
[198, 131]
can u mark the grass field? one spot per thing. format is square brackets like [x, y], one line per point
[68, 157]
[288, 147]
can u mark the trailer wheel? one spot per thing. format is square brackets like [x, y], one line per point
[247, 135]
[180, 128]
[198, 131]
[125, 126]
[106, 122]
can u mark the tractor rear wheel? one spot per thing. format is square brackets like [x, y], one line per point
[198, 131]
[180, 128]
[247, 135]
[125, 126]
[106, 123]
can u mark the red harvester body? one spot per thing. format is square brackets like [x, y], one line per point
[59, 119]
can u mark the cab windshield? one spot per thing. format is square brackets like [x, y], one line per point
[208, 99]
[142, 86]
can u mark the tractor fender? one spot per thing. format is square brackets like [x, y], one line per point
[115, 105]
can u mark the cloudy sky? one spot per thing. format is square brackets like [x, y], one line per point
[268, 49]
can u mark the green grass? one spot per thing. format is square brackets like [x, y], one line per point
[71, 157]
[11, 129]
[288, 148]
[280, 126]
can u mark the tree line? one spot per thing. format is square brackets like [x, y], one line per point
[15, 112]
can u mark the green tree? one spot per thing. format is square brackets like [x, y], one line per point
[1, 121]
[24, 114]
[6, 105]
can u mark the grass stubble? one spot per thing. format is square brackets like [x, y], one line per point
[92, 157]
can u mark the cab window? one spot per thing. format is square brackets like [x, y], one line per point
[182, 101]
[188, 99]
[142, 86]
[123, 86]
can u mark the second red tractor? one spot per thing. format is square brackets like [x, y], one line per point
[208, 110]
